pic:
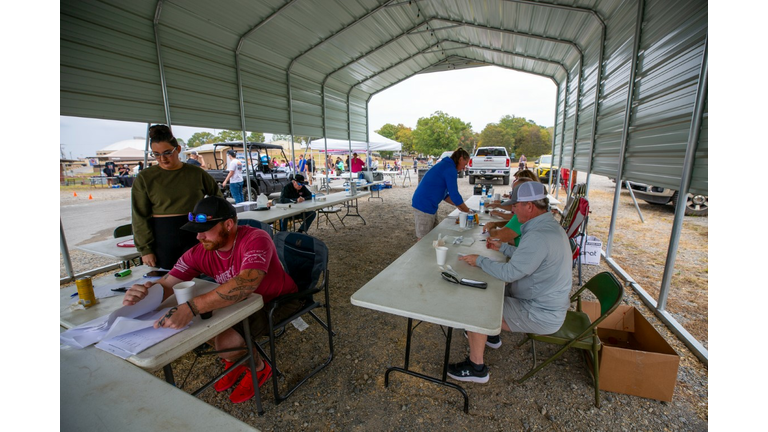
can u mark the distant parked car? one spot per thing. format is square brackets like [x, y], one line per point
[543, 168]
[489, 163]
[695, 205]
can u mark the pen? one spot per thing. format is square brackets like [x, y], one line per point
[73, 295]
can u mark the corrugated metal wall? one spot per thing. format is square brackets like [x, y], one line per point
[571, 115]
[699, 178]
[617, 62]
[559, 132]
[109, 67]
[671, 49]
[109, 62]
[589, 81]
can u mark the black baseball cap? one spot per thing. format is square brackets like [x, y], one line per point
[211, 210]
[232, 153]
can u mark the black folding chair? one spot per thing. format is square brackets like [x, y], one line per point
[305, 259]
[330, 210]
[123, 231]
[258, 224]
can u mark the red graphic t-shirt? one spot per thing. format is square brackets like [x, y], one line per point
[254, 250]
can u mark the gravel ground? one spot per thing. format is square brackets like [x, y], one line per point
[349, 395]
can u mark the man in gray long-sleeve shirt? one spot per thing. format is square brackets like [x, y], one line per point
[538, 275]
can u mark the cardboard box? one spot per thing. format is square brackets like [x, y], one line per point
[634, 359]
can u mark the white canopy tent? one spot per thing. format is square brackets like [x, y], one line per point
[339, 146]
[127, 154]
[376, 143]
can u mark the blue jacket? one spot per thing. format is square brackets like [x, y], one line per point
[438, 183]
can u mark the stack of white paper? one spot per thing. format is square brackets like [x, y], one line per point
[126, 331]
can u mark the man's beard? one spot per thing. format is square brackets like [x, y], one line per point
[216, 245]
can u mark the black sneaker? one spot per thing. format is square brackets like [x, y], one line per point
[492, 341]
[465, 371]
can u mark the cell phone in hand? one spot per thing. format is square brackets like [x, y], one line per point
[156, 273]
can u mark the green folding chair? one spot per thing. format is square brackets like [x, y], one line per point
[577, 331]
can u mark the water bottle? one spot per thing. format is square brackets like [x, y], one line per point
[482, 206]
[483, 190]
[490, 192]
[313, 197]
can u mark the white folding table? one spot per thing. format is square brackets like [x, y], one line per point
[165, 352]
[412, 287]
[100, 392]
[109, 248]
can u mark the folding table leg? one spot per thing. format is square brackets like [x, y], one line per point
[252, 361]
[168, 372]
[442, 381]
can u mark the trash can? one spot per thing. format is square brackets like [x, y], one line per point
[422, 171]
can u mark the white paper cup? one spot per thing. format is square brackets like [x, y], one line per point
[442, 252]
[462, 219]
[184, 292]
[496, 197]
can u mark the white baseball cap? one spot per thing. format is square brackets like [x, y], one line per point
[528, 191]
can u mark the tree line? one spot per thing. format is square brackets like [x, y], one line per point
[200, 138]
[441, 132]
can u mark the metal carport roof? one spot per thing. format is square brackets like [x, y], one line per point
[631, 74]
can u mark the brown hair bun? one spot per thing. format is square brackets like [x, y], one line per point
[162, 133]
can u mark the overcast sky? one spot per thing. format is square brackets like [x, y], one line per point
[478, 96]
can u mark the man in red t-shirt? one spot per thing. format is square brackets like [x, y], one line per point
[243, 260]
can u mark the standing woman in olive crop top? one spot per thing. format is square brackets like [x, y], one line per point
[161, 199]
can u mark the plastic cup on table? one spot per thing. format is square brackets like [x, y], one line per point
[442, 253]
[185, 291]
[462, 219]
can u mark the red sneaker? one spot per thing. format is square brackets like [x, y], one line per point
[229, 379]
[244, 390]
[264, 374]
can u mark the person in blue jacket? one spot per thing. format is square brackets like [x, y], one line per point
[438, 184]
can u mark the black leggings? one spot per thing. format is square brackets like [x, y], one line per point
[170, 240]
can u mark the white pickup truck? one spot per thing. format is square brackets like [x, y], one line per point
[489, 163]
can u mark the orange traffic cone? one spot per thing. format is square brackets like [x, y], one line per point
[90, 197]
[75, 194]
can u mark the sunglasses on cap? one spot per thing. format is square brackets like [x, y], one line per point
[201, 218]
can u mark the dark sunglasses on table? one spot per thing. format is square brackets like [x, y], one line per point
[201, 218]
[163, 154]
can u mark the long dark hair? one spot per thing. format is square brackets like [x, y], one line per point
[458, 154]
[162, 133]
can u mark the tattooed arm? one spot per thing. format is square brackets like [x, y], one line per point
[230, 292]
[234, 290]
